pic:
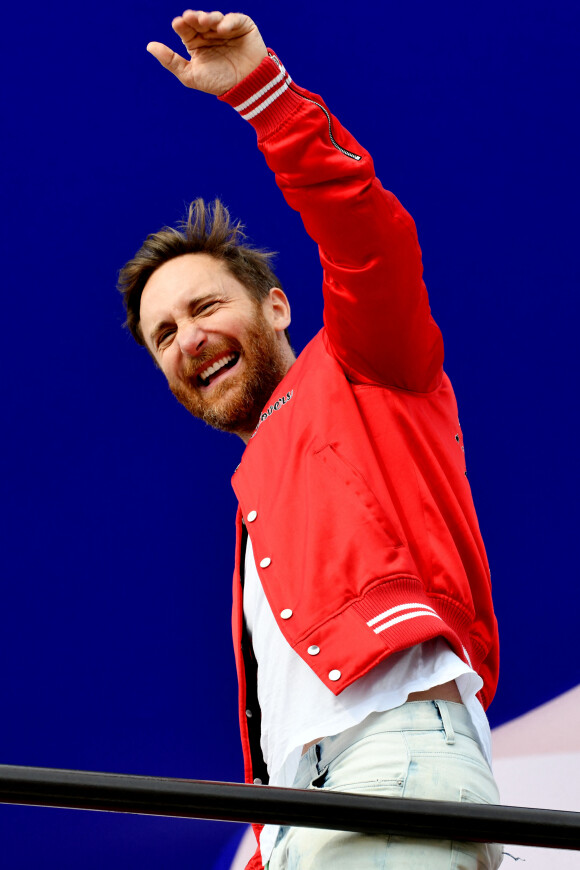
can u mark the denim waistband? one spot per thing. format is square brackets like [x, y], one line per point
[446, 716]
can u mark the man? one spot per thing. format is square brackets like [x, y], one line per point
[366, 607]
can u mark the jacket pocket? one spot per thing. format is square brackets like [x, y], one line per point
[356, 495]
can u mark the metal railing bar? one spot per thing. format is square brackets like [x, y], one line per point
[226, 801]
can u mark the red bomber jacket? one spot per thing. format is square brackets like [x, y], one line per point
[353, 486]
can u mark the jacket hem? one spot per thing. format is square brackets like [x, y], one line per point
[393, 615]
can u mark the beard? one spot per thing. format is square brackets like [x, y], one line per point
[235, 404]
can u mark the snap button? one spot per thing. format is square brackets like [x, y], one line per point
[249, 714]
[286, 614]
[313, 650]
[257, 781]
[334, 676]
[265, 562]
[252, 516]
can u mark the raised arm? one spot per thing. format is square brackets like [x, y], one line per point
[376, 312]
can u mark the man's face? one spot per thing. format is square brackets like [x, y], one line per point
[223, 354]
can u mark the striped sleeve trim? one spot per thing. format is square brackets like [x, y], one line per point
[387, 619]
[265, 96]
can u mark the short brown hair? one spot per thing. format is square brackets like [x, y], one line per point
[209, 229]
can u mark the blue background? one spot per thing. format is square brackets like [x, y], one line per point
[118, 533]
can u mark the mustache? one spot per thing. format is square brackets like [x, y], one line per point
[192, 367]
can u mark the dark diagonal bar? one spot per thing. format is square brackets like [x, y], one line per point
[227, 801]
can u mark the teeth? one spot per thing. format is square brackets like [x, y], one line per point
[216, 367]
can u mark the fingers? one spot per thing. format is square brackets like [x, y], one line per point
[234, 24]
[168, 58]
[192, 24]
[210, 25]
[201, 21]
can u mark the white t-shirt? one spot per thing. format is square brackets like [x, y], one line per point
[298, 708]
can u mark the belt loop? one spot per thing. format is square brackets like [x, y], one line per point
[446, 719]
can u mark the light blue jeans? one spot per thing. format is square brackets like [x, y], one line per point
[423, 749]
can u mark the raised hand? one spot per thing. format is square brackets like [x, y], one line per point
[223, 50]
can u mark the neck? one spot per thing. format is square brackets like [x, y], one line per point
[290, 360]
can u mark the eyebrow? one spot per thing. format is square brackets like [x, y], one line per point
[192, 309]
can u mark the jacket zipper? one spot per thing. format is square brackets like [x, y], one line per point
[330, 133]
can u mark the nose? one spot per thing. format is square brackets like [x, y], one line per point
[191, 339]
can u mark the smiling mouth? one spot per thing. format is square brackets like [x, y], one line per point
[217, 368]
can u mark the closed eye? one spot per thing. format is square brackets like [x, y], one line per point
[204, 309]
[163, 337]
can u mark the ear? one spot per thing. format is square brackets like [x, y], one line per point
[277, 309]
